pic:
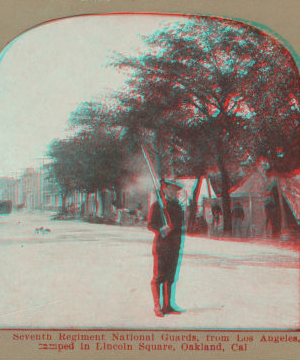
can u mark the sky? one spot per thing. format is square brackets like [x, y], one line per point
[49, 70]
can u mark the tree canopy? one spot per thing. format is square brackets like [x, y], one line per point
[89, 162]
[224, 86]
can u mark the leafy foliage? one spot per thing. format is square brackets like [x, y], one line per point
[223, 88]
[88, 162]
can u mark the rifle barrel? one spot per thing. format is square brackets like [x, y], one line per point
[164, 213]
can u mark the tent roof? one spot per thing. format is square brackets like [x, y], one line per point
[258, 182]
[254, 183]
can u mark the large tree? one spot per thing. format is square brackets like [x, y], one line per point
[62, 171]
[218, 69]
[89, 162]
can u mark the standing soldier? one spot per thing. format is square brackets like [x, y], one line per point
[270, 211]
[237, 217]
[216, 213]
[166, 246]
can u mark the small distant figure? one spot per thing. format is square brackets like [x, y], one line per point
[216, 213]
[81, 207]
[136, 216]
[139, 207]
[114, 204]
[237, 215]
[139, 216]
[200, 226]
[20, 207]
[270, 211]
[72, 209]
[41, 230]
[132, 215]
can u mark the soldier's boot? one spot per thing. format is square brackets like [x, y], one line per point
[156, 298]
[167, 308]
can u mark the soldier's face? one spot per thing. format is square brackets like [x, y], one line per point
[171, 192]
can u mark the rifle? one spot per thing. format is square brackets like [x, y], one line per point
[159, 195]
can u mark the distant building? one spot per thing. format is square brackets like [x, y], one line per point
[22, 192]
[9, 190]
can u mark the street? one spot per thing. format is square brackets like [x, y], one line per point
[98, 276]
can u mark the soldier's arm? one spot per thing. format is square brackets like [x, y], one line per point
[155, 221]
[180, 223]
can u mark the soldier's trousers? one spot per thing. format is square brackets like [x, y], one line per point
[165, 266]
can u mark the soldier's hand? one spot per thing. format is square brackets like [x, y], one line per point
[165, 230]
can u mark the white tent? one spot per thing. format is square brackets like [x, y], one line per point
[252, 194]
[205, 190]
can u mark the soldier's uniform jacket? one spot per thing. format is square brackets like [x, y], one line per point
[171, 242]
[238, 211]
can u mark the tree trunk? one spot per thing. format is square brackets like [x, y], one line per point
[63, 205]
[172, 169]
[157, 155]
[95, 204]
[98, 203]
[81, 209]
[227, 227]
[79, 195]
[86, 204]
[119, 198]
[193, 204]
[284, 223]
[102, 203]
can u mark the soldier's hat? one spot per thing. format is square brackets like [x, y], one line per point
[171, 182]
